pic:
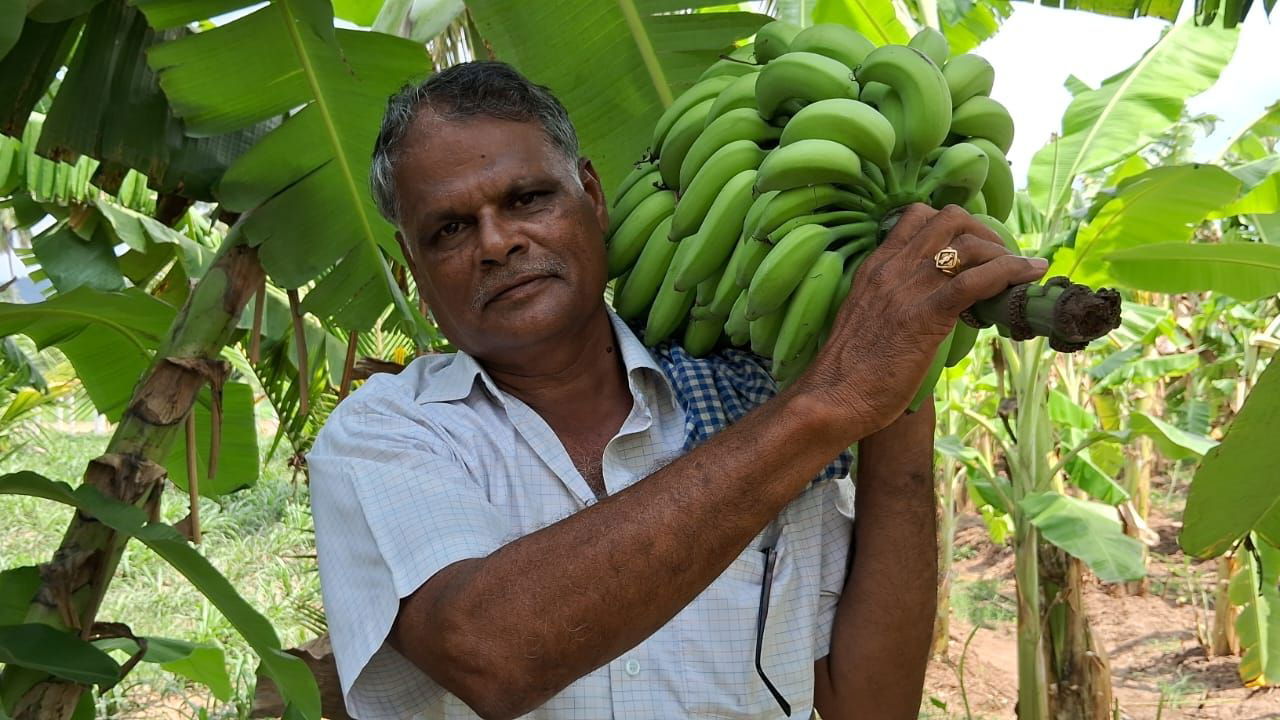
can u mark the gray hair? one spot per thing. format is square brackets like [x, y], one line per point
[493, 89]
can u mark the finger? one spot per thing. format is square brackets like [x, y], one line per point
[986, 280]
[909, 223]
[974, 251]
[941, 229]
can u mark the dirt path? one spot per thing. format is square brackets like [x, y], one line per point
[1159, 667]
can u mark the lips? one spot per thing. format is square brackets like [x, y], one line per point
[514, 284]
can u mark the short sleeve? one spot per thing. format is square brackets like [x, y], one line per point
[837, 535]
[393, 505]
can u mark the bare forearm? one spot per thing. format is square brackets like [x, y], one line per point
[883, 628]
[558, 603]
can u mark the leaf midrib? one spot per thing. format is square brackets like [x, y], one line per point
[635, 25]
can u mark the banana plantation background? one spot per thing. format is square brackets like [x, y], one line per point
[186, 181]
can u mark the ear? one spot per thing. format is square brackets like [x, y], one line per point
[595, 190]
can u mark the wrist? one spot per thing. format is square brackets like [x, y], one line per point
[818, 418]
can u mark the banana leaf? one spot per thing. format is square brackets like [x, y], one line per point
[29, 67]
[306, 181]
[615, 66]
[1244, 271]
[1104, 126]
[1234, 491]
[1253, 589]
[1090, 531]
[1160, 205]
[877, 19]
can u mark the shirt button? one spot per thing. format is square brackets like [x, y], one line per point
[633, 667]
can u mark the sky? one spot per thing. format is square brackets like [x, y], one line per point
[1038, 47]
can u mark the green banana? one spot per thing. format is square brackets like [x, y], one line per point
[828, 219]
[807, 310]
[873, 92]
[682, 136]
[736, 326]
[962, 165]
[836, 41]
[741, 93]
[933, 44]
[670, 306]
[968, 76]
[812, 162]
[702, 90]
[786, 371]
[705, 291]
[876, 175]
[851, 123]
[720, 230]
[764, 333]
[783, 269]
[755, 251]
[805, 201]
[773, 39]
[646, 275]
[758, 206]
[696, 199]
[638, 173]
[890, 106]
[702, 334]
[977, 202]
[727, 290]
[799, 78]
[982, 117]
[1002, 230]
[628, 242]
[918, 83]
[963, 338]
[740, 124]
[628, 201]
[932, 374]
[998, 187]
[738, 62]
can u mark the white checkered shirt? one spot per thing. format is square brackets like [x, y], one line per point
[416, 471]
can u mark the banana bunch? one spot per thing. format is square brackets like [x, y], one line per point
[767, 184]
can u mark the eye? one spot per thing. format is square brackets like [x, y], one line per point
[528, 198]
[449, 229]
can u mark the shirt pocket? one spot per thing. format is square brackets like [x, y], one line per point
[718, 633]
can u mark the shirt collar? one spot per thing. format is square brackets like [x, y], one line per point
[455, 380]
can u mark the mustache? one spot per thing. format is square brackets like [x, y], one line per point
[499, 277]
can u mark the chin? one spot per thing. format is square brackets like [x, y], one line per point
[549, 314]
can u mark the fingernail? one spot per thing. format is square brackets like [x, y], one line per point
[1039, 263]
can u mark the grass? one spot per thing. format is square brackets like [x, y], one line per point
[980, 603]
[261, 539]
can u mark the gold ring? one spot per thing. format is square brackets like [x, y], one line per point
[947, 260]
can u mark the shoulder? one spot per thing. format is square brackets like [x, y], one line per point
[391, 409]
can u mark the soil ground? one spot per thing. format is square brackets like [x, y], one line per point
[1160, 668]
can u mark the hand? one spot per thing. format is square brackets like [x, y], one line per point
[900, 309]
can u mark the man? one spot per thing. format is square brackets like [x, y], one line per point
[556, 523]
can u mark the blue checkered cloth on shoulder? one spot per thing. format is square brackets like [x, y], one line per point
[718, 390]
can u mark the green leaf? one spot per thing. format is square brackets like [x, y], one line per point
[1234, 489]
[17, 588]
[25, 73]
[1088, 531]
[57, 652]
[108, 337]
[967, 24]
[1064, 411]
[1174, 442]
[297, 684]
[1104, 126]
[614, 65]
[1263, 198]
[1244, 271]
[52, 11]
[71, 262]
[1158, 206]
[1090, 477]
[174, 13]
[360, 12]
[200, 663]
[877, 19]
[238, 459]
[306, 181]
[1253, 589]
[12, 16]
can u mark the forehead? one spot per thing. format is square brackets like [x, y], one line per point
[442, 155]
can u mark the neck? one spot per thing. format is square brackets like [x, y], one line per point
[581, 376]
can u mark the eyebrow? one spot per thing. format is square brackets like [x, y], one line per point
[431, 215]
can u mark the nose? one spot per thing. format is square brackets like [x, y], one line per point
[499, 241]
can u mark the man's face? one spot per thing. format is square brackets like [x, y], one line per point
[505, 233]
